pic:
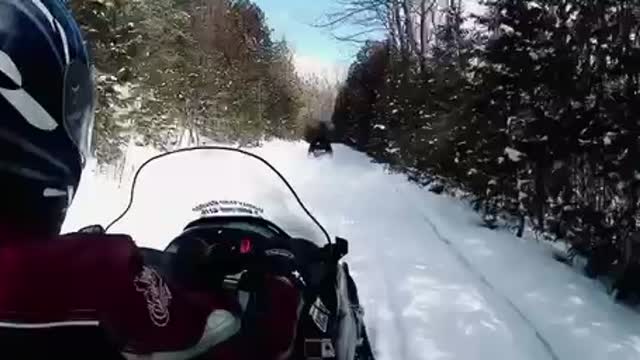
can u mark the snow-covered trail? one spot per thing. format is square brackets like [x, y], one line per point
[435, 285]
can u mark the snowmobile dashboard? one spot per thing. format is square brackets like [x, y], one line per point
[239, 235]
[212, 249]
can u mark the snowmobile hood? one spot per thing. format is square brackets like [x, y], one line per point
[173, 189]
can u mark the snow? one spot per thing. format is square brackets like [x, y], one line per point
[557, 165]
[533, 5]
[123, 91]
[533, 55]
[513, 154]
[507, 29]
[435, 285]
[608, 138]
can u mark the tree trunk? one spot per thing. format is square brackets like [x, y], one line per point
[397, 15]
[392, 30]
[409, 28]
[423, 35]
[540, 194]
[433, 24]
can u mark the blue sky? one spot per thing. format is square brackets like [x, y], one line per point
[293, 18]
[316, 50]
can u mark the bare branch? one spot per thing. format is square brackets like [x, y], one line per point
[366, 16]
[354, 36]
[341, 17]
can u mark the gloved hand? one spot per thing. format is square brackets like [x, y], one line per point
[271, 308]
[269, 292]
[203, 265]
[208, 254]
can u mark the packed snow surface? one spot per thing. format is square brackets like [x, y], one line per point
[435, 285]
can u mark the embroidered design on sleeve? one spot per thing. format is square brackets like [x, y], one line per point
[156, 293]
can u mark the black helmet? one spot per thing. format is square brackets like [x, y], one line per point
[46, 112]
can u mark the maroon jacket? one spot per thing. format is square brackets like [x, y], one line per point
[101, 281]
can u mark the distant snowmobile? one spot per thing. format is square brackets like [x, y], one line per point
[320, 148]
[241, 222]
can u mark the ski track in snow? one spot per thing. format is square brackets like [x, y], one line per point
[434, 284]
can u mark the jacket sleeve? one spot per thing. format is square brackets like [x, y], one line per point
[96, 279]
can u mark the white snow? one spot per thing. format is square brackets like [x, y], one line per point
[533, 5]
[513, 154]
[435, 285]
[123, 91]
[507, 29]
[608, 138]
[533, 55]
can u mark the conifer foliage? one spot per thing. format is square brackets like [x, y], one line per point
[533, 106]
[170, 69]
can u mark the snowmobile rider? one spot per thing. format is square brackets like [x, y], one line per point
[68, 295]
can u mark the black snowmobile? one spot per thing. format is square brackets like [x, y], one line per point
[320, 147]
[238, 201]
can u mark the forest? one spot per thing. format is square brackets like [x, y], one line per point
[180, 71]
[533, 107]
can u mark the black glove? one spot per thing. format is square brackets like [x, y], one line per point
[204, 265]
[210, 254]
[282, 262]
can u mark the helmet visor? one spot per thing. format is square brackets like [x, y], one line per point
[79, 106]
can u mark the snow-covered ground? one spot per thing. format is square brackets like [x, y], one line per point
[435, 285]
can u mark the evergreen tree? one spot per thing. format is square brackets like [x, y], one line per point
[174, 68]
[534, 111]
